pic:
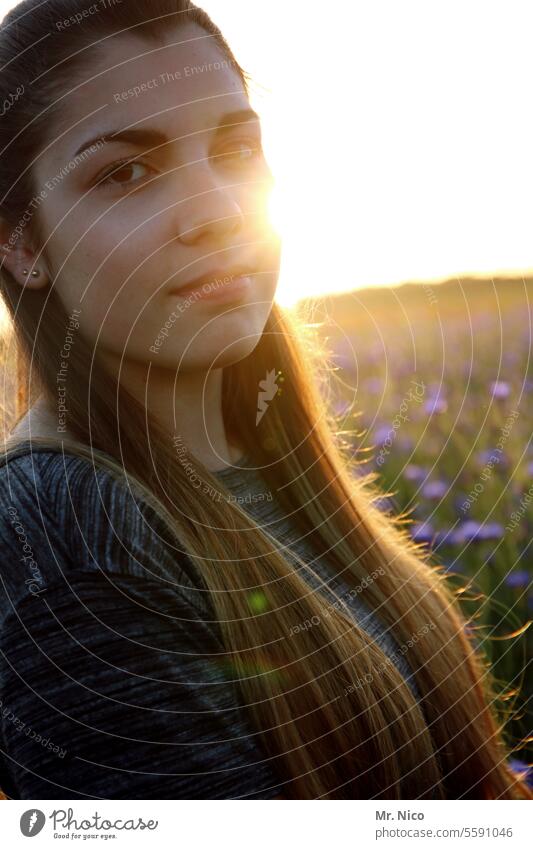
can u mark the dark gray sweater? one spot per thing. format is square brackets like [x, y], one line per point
[111, 679]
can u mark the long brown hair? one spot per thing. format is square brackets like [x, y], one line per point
[329, 735]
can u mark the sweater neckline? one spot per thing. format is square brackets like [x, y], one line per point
[234, 472]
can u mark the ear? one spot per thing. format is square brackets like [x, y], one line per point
[19, 258]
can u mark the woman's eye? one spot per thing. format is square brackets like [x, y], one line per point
[120, 174]
[124, 174]
[242, 152]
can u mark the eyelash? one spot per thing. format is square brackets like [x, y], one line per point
[102, 182]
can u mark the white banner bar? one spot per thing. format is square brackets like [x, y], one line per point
[248, 824]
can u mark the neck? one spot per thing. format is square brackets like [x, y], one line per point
[188, 405]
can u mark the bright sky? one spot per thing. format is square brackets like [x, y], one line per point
[399, 135]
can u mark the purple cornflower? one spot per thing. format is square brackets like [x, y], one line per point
[436, 405]
[492, 530]
[383, 504]
[435, 489]
[493, 454]
[472, 530]
[500, 389]
[381, 434]
[422, 532]
[519, 578]
[414, 473]
[523, 769]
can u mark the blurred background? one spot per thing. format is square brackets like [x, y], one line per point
[400, 138]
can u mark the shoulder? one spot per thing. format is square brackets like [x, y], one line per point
[61, 511]
[43, 484]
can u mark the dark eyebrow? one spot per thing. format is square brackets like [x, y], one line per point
[150, 138]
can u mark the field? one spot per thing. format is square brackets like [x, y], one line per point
[434, 386]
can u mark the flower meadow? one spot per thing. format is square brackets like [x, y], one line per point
[432, 388]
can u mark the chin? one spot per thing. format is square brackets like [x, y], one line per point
[233, 334]
[205, 354]
[228, 353]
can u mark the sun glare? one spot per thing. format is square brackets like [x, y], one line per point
[398, 135]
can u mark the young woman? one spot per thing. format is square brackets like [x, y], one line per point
[200, 597]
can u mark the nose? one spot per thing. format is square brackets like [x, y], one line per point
[209, 212]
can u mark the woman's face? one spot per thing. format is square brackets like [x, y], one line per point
[191, 203]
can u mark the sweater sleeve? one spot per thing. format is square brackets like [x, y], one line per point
[112, 688]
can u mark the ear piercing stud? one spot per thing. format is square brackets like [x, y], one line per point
[35, 272]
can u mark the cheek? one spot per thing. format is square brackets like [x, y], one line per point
[254, 202]
[119, 311]
[265, 290]
[108, 271]
[110, 305]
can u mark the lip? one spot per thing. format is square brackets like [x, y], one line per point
[215, 283]
[216, 279]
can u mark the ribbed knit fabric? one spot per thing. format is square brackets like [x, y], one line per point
[114, 682]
